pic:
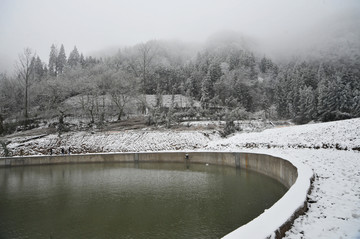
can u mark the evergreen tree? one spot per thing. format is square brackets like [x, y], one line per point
[189, 87]
[39, 68]
[74, 58]
[2, 128]
[307, 107]
[82, 61]
[323, 93]
[327, 103]
[53, 60]
[244, 95]
[356, 107]
[265, 65]
[234, 59]
[206, 91]
[345, 98]
[215, 72]
[282, 91]
[347, 87]
[221, 89]
[61, 60]
[250, 63]
[281, 103]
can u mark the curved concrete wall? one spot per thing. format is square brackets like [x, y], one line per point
[278, 168]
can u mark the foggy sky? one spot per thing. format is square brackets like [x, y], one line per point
[94, 25]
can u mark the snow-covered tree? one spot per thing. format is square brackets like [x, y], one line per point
[25, 70]
[53, 60]
[307, 109]
[61, 60]
[38, 69]
[74, 57]
[147, 52]
[206, 91]
[82, 60]
[123, 90]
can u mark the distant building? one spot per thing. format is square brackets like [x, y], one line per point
[140, 104]
[166, 101]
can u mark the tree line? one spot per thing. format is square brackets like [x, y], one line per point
[229, 81]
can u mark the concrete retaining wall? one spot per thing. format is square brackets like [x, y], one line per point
[277, 168]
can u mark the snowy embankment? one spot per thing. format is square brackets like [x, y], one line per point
[342, 135]
[331, 150]
[115, 141]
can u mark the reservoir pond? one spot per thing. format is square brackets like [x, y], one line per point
[128, 200]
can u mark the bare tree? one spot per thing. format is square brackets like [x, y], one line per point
[90, 104]
[122, 91]
[141, 62]
[24, 69]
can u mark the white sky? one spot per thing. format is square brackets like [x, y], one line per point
[94, 25]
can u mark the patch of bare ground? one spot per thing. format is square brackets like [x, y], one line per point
[26, 134]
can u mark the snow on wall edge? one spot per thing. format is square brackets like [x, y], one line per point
[284, 211]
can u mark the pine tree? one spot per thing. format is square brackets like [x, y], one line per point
[189, 87]
[61, 60]
[53, 60]
[39, 68]
[356, 106]
[345, 98]
[74, 58]
[347, 87]
[265, 65]
[283, 91]
[215, 72]
[281, 103]
[323, 92]
[206, 89]
[307, 107]
[82, 61]
[327, 99]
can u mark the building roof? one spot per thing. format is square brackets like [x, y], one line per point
[180, 101]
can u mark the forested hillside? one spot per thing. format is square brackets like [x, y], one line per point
[231, 82]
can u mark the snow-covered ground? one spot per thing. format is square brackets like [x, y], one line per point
[339, 134]
[331, 150]
[334, 208]
[244, 125]
[114, 141]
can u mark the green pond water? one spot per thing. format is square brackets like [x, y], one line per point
[145, 200]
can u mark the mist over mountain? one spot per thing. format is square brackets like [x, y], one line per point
[278, 29]
[330, 38]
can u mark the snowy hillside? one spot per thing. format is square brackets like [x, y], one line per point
[343, 135]
[114, 141]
